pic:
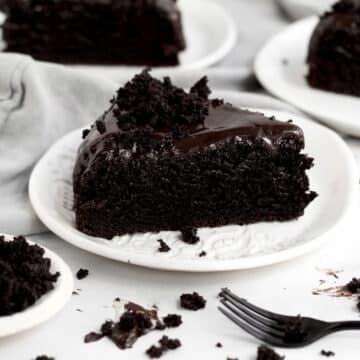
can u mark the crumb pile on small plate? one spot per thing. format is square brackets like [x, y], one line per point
[24, 275]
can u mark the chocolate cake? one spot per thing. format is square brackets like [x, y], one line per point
[164, 159]
[131, 32]
[334, 53]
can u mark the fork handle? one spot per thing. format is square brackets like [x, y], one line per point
[346, 325]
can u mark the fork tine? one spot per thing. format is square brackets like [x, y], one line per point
[268, 314]
[253, 322]
[275, 324]
[256, 333]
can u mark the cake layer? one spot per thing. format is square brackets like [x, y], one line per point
[334, 52]
[133, 32]
[162, 159]
[238, 183]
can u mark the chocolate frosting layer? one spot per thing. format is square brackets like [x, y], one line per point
[228, 122]
[224, 122]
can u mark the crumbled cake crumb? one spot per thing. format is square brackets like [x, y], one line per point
[170, 344]
[219, 345]
[44, 357]
[92, 337]
[85, 133]
[295, 330]
[82, 274]
[166, 344]
[171, 106]
[203, 253]
[154, 352]
[100, 126]
[172, 320]
[24, 275]
[327, 353]
[353, 286]
[164, 247]
[192, 301]
[266, 353]
[135, 322]
[189, 236]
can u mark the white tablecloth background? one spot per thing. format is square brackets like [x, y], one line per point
[285, 288]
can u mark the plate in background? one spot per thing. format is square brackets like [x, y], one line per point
[281, 68]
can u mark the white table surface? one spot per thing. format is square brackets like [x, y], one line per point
[285, 288]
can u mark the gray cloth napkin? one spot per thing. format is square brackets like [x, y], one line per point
[38, 104]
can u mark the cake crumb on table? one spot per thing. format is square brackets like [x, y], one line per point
[192, 301]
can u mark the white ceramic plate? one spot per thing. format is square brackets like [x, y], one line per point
[298, 9]
[228, 248]
[48, 305]
[210, 34]
[287, 80]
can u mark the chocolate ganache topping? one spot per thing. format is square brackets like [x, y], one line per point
[149, 118]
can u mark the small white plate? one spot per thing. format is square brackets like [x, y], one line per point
[233, 247]
[281, 69]
[210, 34]
[48, 305]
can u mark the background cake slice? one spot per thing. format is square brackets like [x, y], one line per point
[163, 159]
[334, 53]
[131, 32]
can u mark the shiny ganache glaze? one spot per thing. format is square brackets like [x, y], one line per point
[223, 123]
[228, 122]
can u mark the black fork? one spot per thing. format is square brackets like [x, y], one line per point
[275, 329]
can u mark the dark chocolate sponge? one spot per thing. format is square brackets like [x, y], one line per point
[334, 53]
[164, 159]
[131, 32]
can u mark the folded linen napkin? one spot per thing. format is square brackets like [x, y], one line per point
[38, 104]
[41, 102]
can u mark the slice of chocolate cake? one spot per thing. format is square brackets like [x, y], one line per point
[131, 32]
[164, 159]
[334, 53]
